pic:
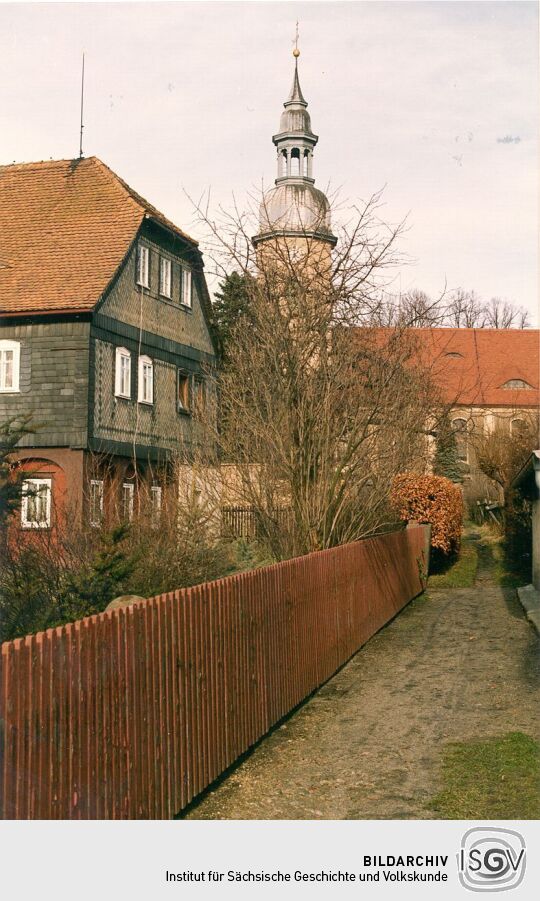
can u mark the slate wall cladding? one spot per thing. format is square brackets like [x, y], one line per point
[157, 425]
[144, 322]
[53, 382]
[67, 367]
[148, 310]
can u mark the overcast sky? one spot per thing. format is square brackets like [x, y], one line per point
[436, 100]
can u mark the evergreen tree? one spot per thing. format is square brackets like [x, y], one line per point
[446, 461]
[232, 304]
[11, 478]
[88, 590]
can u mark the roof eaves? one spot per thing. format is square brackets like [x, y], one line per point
[528, 476]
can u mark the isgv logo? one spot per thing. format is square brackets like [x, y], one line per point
[491, 860]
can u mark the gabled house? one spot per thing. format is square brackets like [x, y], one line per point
[104, 338]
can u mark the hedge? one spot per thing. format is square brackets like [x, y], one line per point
[430, 499]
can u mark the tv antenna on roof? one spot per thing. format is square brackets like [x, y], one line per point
[82, 109]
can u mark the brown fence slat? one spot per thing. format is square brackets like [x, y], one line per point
[130, 714]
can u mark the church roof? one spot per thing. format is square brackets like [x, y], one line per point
[65, 228]
[484, 367]
[480, 367]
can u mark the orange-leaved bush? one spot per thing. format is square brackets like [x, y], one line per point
[430, 499]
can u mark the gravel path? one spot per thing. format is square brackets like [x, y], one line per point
[454, 665]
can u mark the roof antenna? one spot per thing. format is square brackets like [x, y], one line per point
[82, 109]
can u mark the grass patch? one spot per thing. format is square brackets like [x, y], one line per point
[509, 572]
[459, 572]
[509, 569]
[494, 779]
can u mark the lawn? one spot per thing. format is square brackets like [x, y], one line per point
[495, 779]
[460, 572]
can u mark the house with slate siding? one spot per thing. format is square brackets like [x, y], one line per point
[104, 339]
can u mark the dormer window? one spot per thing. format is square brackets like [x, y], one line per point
[122, 375]
[10, 355]
[143, 266]
[185, 296]
[517, 383]
[165, 277]
[146, 381]
[453, 354]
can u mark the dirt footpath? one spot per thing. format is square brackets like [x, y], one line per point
[453, 666]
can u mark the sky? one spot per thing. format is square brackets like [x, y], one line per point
[437, 102]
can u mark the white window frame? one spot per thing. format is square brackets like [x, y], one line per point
[13, 347]
[35, 484]
[156, 494]
[128, 493]
[96, 483]
[119, 371]
[165, 277]
[143, 266]
[144, 395]
[187, 288]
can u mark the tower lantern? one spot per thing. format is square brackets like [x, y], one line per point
[295, 210]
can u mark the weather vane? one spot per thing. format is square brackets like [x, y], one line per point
[296, 51]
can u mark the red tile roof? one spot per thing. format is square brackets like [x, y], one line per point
[65, 228]
[470, 366]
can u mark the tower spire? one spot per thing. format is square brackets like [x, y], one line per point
[295, 207]
[296, 95]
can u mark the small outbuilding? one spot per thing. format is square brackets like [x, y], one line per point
[527, 482]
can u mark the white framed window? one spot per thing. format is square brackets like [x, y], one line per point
[182, 391]
[10, 356]
[143, 266]
[128, 496]
[156, 501]
[186, 287]
[96, 502]
[146, 381]
[165, 277]
[36, 503]
[122, 378]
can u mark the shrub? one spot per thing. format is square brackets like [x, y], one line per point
[434, 500]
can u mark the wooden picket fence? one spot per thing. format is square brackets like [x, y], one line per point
[132, 713]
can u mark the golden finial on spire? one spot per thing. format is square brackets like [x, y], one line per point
[296, 52]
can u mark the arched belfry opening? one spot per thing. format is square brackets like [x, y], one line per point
[295, 209]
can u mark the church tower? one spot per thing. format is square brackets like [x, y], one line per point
[294, 216]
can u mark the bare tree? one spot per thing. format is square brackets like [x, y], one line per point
[502, 314]
[316, 414]
[501, 452]
[465, 310]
